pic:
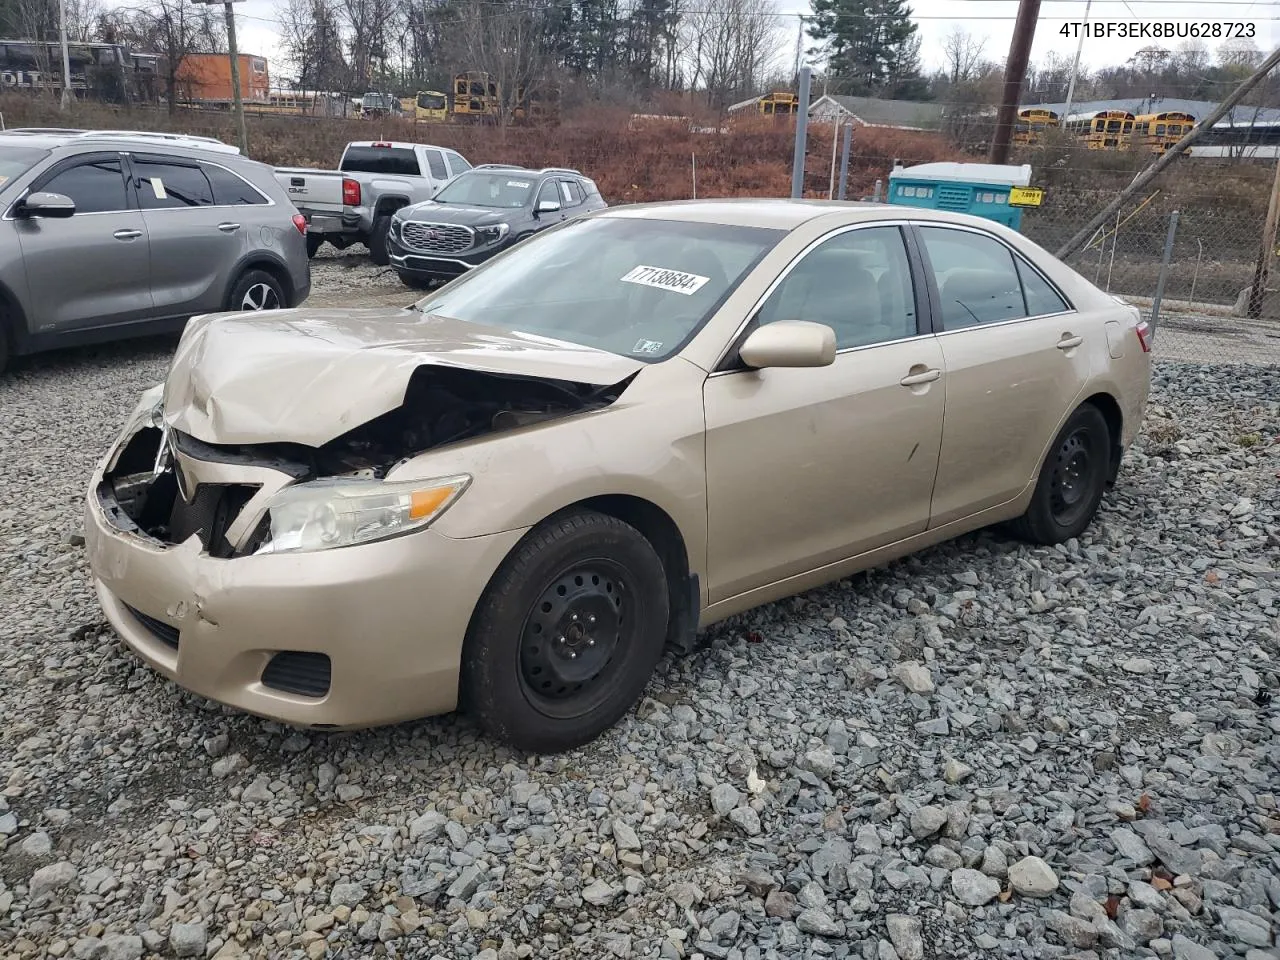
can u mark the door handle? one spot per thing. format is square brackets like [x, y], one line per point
[228, 227]
[127, 234]
[915, 379]
[1068, 341]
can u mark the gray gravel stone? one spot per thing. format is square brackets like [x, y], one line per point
[51, 878]
[819, 923]
[1031, 877]
[724, 797]
[973, 888]
[926, 821]
[905, 935]
[188, 939]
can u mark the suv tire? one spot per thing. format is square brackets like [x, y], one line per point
[377, 243]
[567, 633]
[260, 288]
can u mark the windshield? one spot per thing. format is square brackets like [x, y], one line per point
[431, 101]
[635, 287]
[509, 190]
[15, 161]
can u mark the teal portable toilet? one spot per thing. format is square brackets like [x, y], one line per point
[980, 189]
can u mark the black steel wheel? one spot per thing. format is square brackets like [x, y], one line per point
[567, 633]
[1072, 480]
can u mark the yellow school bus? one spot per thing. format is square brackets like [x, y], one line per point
[1104, 130]
[430, 106]
[1157, 132]
[476, 96]
[1031, 124]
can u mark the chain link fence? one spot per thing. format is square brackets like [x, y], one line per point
[1221, 207]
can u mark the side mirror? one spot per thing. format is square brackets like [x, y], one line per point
[52, 205]
[791, 343]
[548, 206]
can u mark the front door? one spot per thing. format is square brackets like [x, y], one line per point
[90, 269]
[806, 467]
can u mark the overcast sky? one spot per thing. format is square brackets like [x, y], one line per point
[991, 20]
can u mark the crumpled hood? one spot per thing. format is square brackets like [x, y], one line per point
[308, 376]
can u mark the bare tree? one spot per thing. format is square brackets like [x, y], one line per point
[508, 44]
[174, 28]
[730, 46]
[368, 23]
[963, 53]
[311, 39]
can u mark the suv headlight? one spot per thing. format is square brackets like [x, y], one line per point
[325, 514]
[492, 234]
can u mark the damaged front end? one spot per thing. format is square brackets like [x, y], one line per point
[167, 486]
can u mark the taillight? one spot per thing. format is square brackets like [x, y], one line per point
[351, 192]
[1143, 330]
[300, 222]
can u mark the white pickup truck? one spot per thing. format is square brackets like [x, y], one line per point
[374, 179]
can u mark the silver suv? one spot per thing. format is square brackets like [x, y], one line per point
[106, 235]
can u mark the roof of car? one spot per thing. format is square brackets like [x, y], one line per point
[532, 171]
[753, 212]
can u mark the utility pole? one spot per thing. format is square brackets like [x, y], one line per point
[66, 57]
[1263, 269]
[1075, 67]
[799, 43]
[1015, 70]
[236, 99]
[802, 121]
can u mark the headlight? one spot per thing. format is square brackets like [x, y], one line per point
[491, 234]
[325, 514]
[396, 222]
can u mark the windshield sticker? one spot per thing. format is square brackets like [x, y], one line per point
[157, 187]
[647, 346]
[521, 184]
[663, 279]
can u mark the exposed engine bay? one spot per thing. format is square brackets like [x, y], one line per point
[442, 405]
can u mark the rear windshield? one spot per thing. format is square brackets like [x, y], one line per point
[15, 161]
[395, 160]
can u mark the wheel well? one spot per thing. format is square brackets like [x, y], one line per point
[277, 270]
[389, 205]
[656, 526]
[1110, 411]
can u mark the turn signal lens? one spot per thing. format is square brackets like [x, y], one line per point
[1143, 330]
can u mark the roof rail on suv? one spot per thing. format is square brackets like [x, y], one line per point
[177, 139]
[570, 170]
[497, 166]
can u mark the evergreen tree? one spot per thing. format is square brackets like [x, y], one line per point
[871, 45]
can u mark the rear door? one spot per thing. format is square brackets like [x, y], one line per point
[91, 269]
[1016, 364]
[195, 242]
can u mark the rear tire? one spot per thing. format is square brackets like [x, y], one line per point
[257, 290]
[314, 242]
[1072, 480]
[377, 242]
[567, 633]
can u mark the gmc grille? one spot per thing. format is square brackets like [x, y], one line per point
[437, 237]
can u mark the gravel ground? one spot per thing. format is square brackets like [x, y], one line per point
[985, 750]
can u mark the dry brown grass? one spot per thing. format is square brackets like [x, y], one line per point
[752, 159]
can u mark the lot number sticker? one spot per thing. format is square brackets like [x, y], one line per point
[518, 184]
[664, 279]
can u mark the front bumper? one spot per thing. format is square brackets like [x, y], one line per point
[254, 632]
[437, 267]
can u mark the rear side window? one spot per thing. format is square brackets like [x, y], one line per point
[95, 187]
[230, 190]
[571, 192]
[164, 185]
[977, 280]
[435, 160]
[1041, 297]
[393, 160]
[457, 164]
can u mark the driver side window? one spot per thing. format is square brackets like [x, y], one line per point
[857, 282]
[548, 193]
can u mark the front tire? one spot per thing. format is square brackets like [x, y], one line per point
[257, 290]
[567, 634]
[1072, 480]
[413, 281]
[377, 242]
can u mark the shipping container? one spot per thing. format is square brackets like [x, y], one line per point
[206, 78]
